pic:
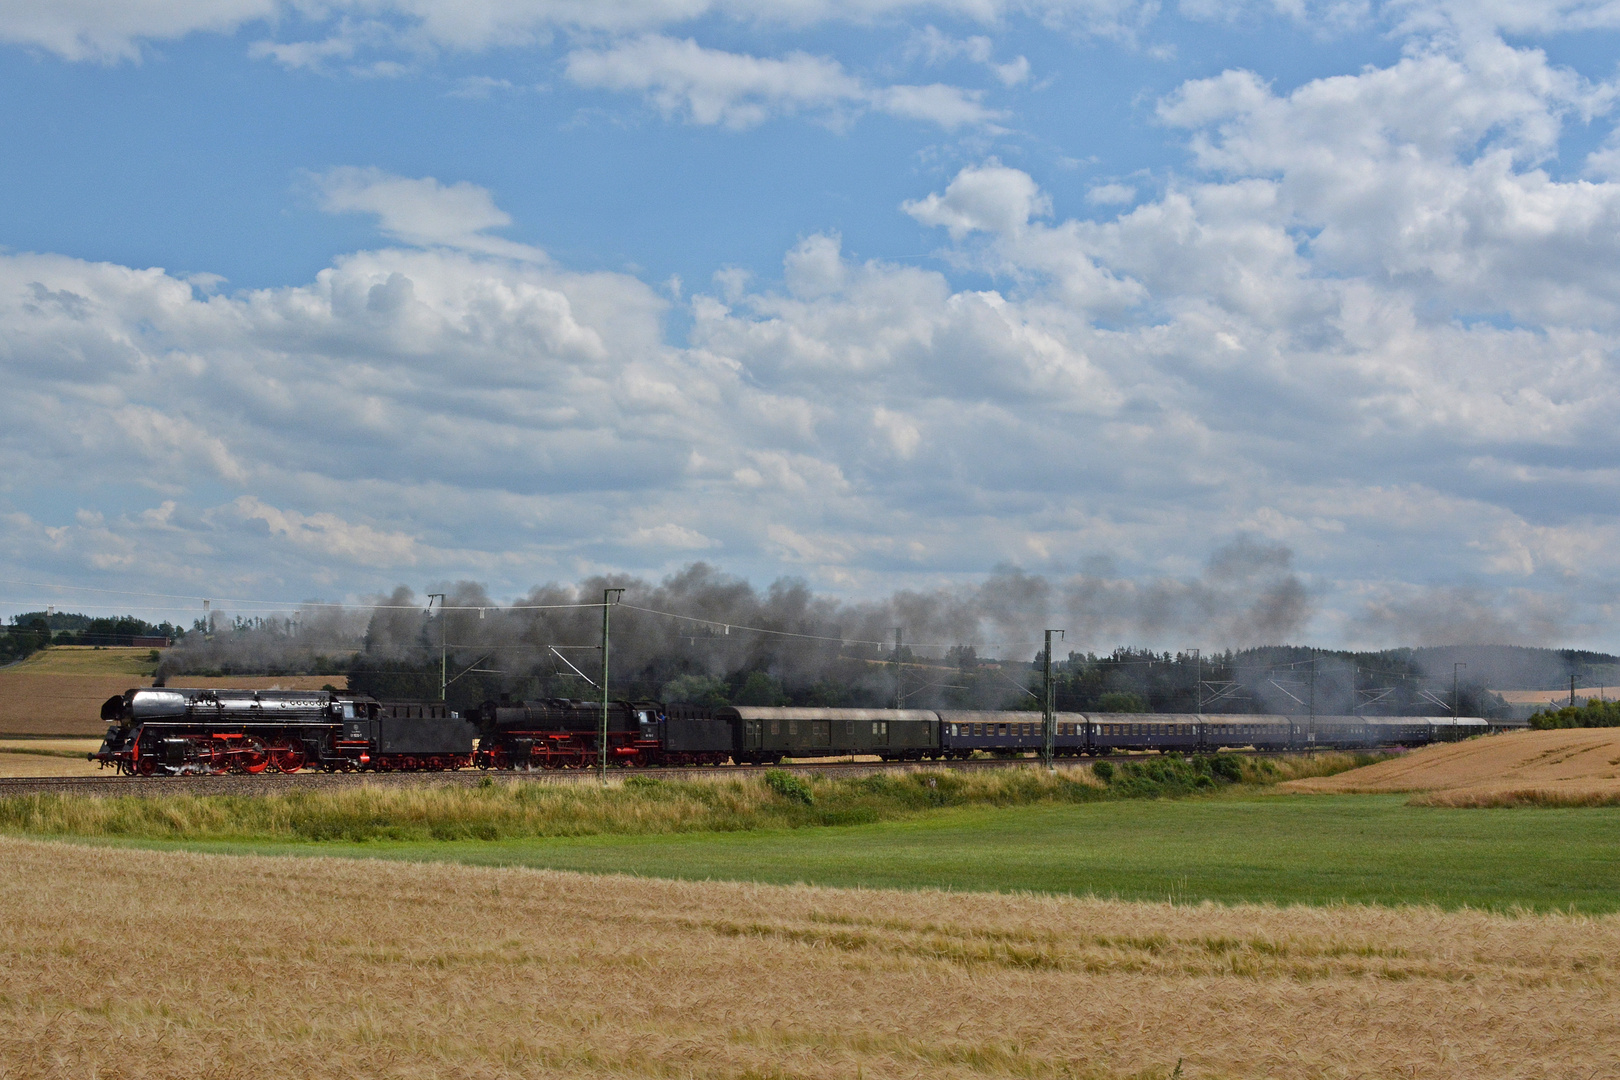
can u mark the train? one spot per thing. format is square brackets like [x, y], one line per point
[176, 731]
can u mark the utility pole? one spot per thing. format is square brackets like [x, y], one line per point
[609, 598]
[1456, 701]
[1312, 739]
[1048, 726]
[899, 672]
[444, 648]
[1198, 695]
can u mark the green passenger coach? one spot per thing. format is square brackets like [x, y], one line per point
[771, 734]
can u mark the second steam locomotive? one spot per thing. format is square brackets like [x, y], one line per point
[175, 731]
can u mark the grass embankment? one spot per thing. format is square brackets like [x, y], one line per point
[1010, 830]
[174, 965]
[498, 809]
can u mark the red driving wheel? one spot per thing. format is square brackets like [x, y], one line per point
[251, 755]
[289, 756]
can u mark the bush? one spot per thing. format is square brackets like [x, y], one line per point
[1592, 714]
[789, 786]
[1170, 775]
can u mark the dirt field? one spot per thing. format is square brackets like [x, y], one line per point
[142, 964]
[60, 691]
[1570, 765]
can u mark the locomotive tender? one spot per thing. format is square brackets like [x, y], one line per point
[172, 731]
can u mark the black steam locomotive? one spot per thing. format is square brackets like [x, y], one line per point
[167, 731]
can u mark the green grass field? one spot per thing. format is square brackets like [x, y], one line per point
[1240, 847]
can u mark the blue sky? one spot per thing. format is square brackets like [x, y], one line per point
[306, 300]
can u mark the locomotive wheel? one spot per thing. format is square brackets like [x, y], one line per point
[252, 756]
[288, 757]
[145, 767]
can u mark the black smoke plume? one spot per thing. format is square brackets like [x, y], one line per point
[967, 646]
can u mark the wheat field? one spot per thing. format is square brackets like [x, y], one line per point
[1563, 767]
[123, 963]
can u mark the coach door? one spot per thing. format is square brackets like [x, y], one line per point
[820, 733]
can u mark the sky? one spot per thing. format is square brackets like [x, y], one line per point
[311, 299]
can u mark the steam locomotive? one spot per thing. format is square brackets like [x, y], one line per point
[172, 731]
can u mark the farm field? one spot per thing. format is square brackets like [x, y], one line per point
[1232, 849]
[59, 690]
[181, 965]
[47, 757]
[1566, 765]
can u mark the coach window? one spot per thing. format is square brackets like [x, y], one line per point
[849, 727]
[776, 727]
[793, 727]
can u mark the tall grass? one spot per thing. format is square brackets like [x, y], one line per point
[510, 809]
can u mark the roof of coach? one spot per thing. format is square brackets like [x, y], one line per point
[752, 712]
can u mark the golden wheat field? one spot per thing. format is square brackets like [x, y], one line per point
[14, 764]
[59, 691]
[126, 963]
[1567, 765]
[47, 757]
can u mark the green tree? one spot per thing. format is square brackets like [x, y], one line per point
[697, 689]
[760, 688]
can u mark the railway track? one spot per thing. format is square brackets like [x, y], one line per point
[270, 783]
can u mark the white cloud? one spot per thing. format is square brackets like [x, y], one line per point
[1111, 194]
[711, 86]
[330, 536]
[422, 211]
[110, 30]
[114, 29]
[1427, 171]
[935, 47]
[984, 198]
[948, 106]
[671, 537]
[901, 434]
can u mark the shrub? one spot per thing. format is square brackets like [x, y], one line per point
[1592, 714]
[1103, 771]
[789, 786]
